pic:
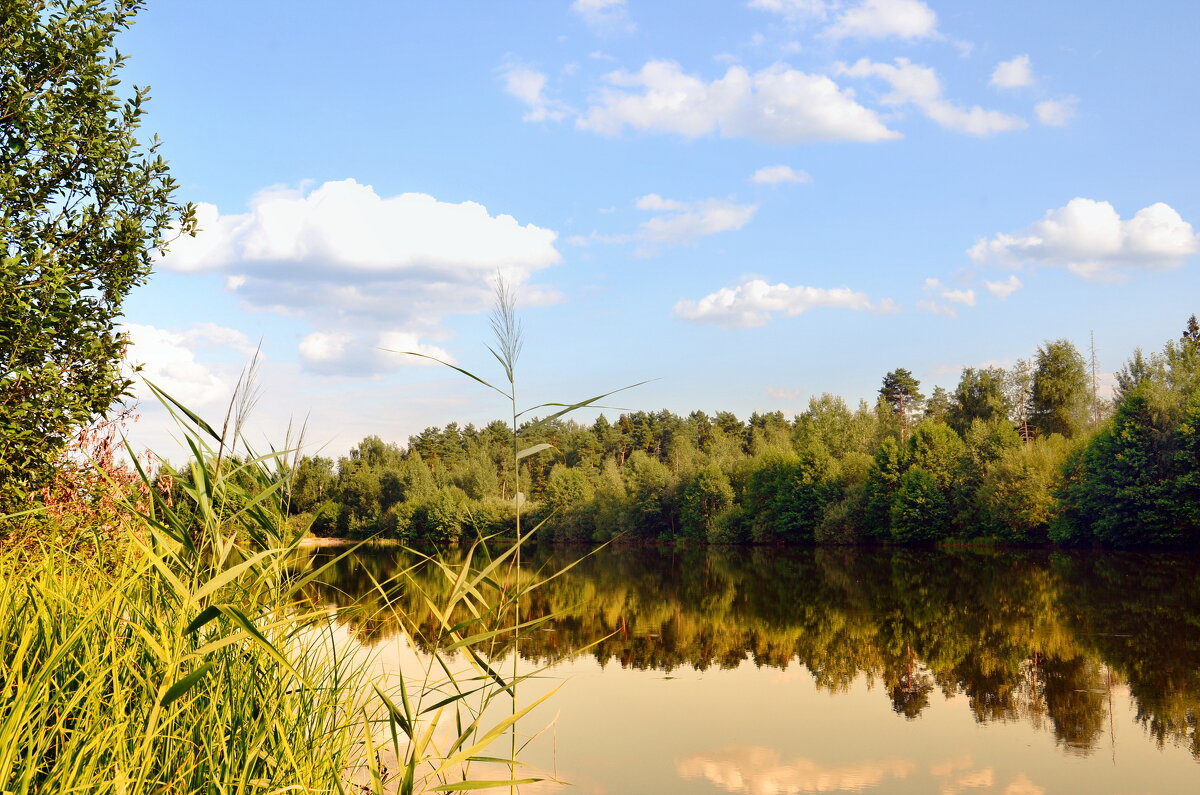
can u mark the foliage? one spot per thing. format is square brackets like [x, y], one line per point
[84, 206]
[1134, 484]
[705, 497]
[1134, 472]
[882, 485]
[901, 392]
[1059, 398]
[1016, 497]
[920, 511]
[980, 395]
[192, 658]
[788, 493]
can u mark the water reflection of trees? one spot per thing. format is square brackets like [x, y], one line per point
[1032, 636]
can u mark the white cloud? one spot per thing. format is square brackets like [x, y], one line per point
[1056, 112]
[529, 86]
[654, 203]
[350, 261]
[935, 288]
[1016, 73]
[1005, 288]
[348, 353]
[876, 19]
[683, 222]
[752, 302]
[777, 104]
[935, 308]
[1090, 239]
[793, 9]
[965, 297]
[603, 13]
[919, 85]
[773, 175]
[210, 335]
[784, 394]
[167, 359]
[678, 222]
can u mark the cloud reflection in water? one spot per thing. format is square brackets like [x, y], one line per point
[760, 771]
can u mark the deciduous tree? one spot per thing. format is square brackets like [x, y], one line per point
[1060, 398]
[84, 205]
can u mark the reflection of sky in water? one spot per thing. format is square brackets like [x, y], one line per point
[753, 731]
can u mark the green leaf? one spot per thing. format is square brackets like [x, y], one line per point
[205, 615]
[573, 406]
[396, 715]
[185, 684]
[466, 785]
[191, 415]
[452, 367]
[537, 448]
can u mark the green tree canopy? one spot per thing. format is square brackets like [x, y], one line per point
[979, 396]
[83, 207]
[901, 392]
[1059, 399]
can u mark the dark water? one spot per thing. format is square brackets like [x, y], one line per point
[821, 670]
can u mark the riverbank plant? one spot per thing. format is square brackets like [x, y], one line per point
[191, 655]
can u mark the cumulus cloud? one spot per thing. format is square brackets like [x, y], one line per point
[1016, 73]
[777, 104]
[529, 86]
[919, 85]
[757, 770]
[751, 303]
[603, 13]
[167, 358]
[877, 19]
[773, 175]
[345, 258]
[1005, 288]
[1056, 112]
[1092, 240]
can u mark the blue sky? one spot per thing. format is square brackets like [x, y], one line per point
[752, 202]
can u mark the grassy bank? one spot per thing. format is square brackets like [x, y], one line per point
[181, 651]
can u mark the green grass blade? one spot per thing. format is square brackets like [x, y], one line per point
[186, 683]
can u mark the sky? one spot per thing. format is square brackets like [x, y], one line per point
[752, 203]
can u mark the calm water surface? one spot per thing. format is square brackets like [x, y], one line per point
[766, 671]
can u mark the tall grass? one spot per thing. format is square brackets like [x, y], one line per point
[187, 657]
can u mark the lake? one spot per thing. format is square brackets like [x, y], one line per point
[769, 670]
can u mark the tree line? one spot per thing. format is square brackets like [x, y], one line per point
[1028, 454]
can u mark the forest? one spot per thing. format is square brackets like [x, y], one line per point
[1029, 454]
